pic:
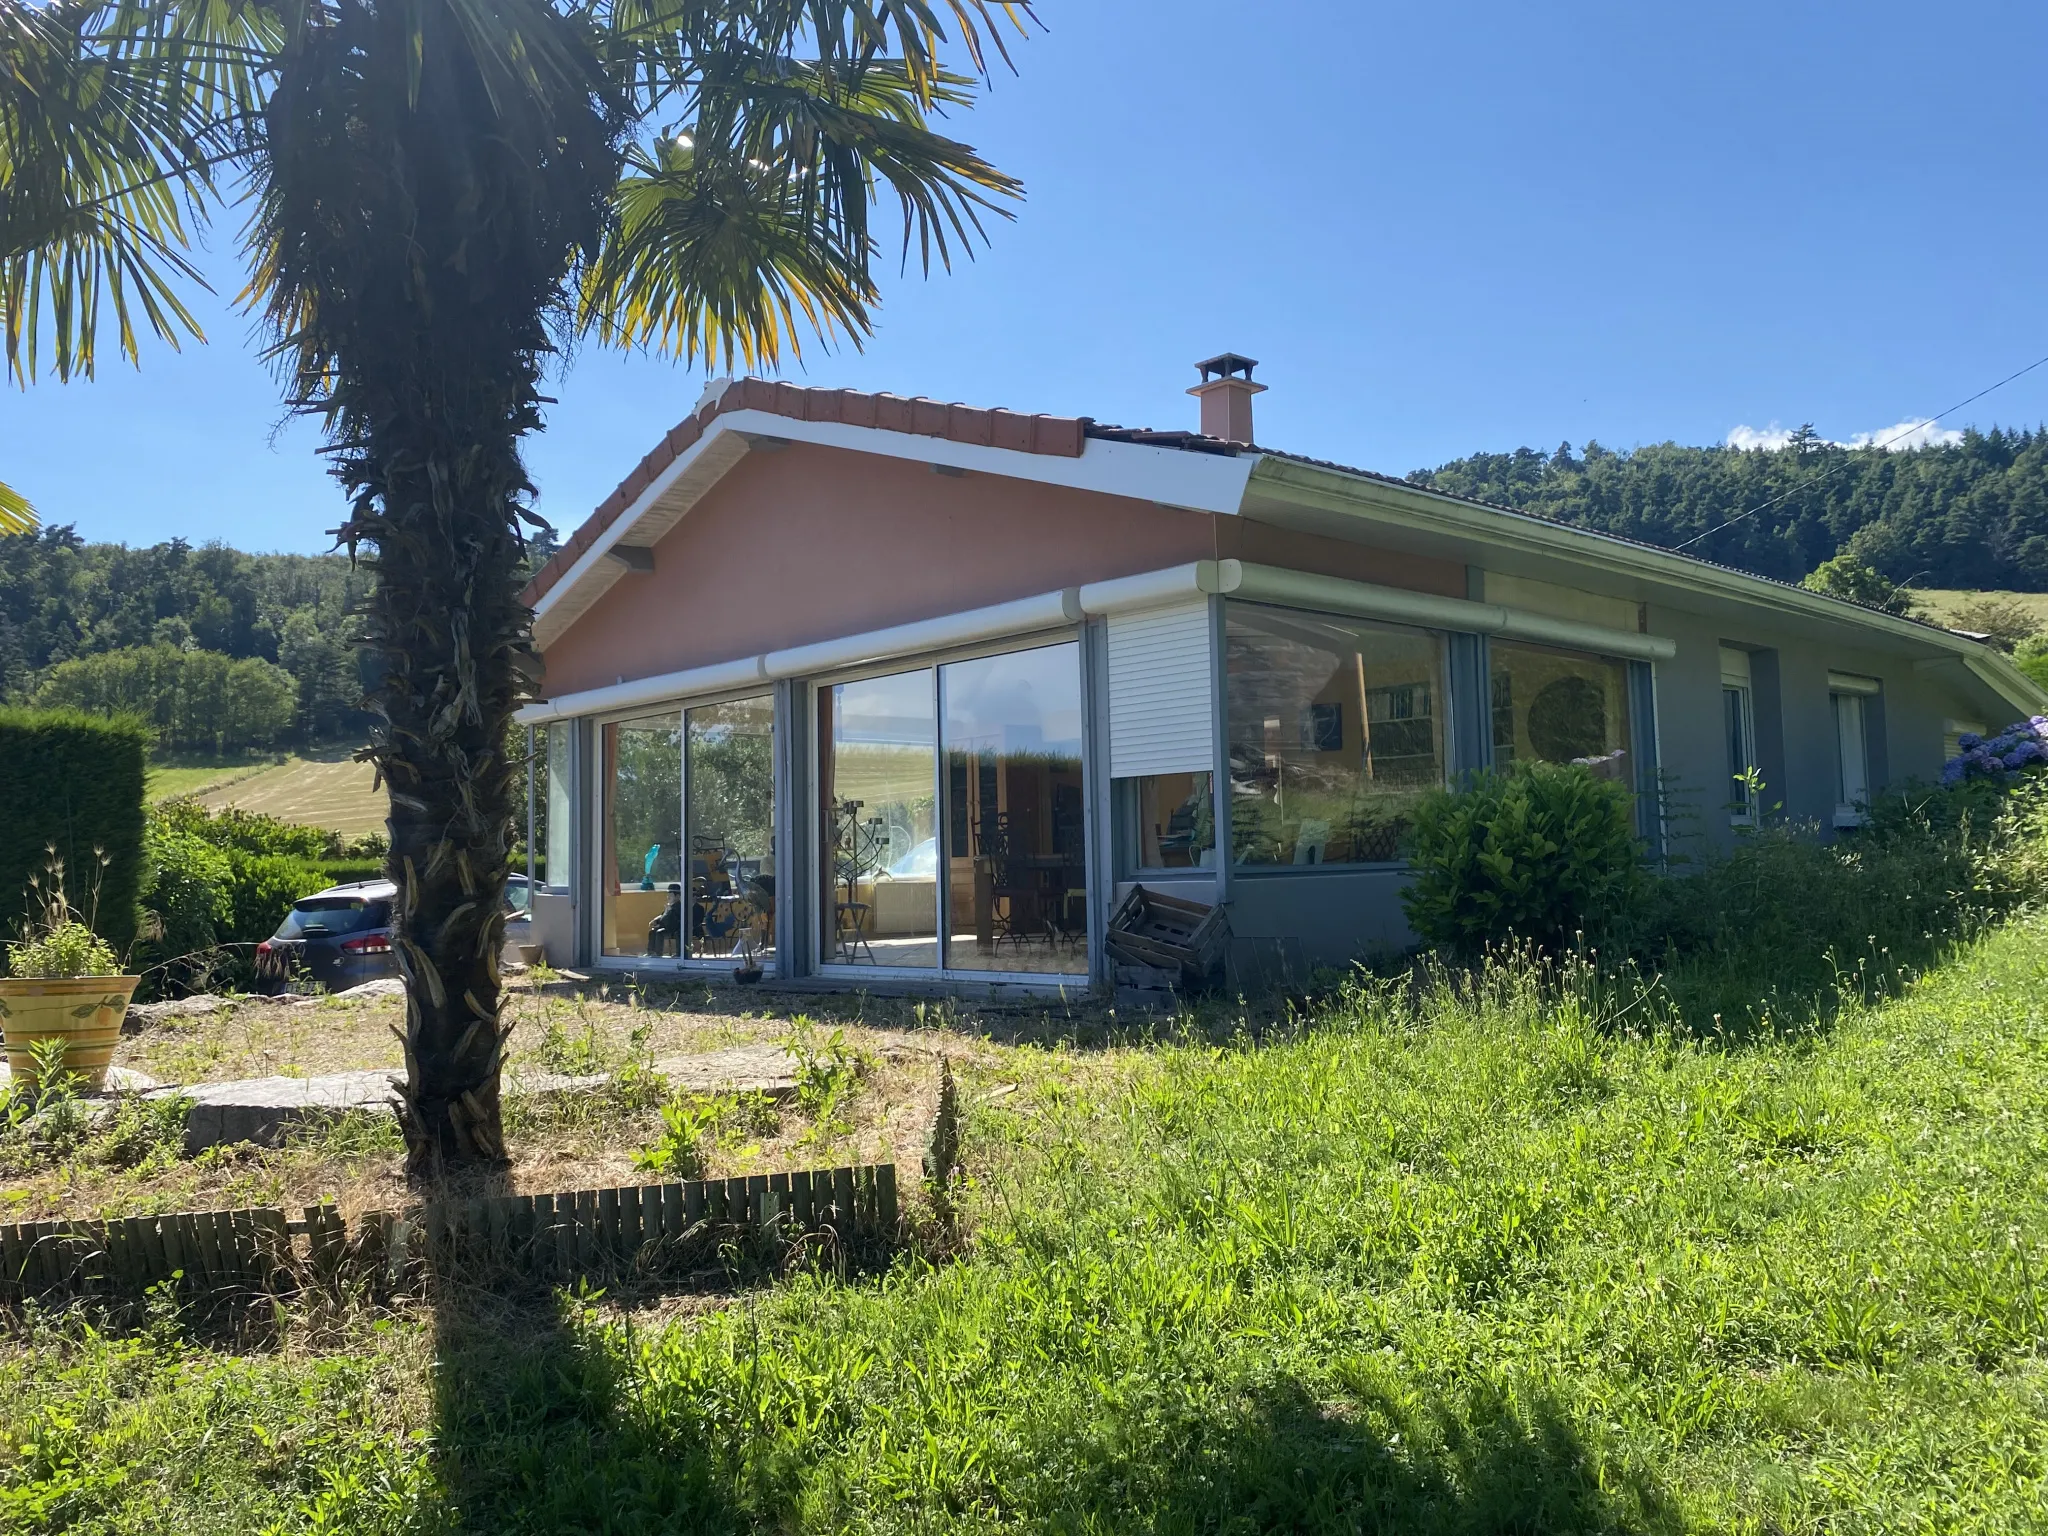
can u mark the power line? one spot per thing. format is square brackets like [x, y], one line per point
[1821, 475]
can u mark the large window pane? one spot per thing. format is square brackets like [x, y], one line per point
[732, 828]
[877, 777]
[1015, 839]
[1852, 746]
[1335, 729]
[643, 835]
[557, 809]
[1739, 715]
[1560, 707]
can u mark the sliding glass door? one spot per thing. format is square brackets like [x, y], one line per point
[730, 771]
[950, 812]
[1017, 870]
[689, 873]
[878, 763]
[643, 833]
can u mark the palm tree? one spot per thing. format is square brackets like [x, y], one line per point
[445, 193]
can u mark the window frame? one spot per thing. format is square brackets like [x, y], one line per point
[595, 875]
[813, 938]
[1443, 715]
[1738, 686]
[1843, 687]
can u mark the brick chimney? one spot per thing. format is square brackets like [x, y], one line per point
[1226, 394]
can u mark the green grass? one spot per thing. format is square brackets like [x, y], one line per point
[1449, 1263]
[192, 774]
[1939, 603]
[315, 787]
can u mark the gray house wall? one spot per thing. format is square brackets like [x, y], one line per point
[1285, 924]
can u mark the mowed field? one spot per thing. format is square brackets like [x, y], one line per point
[324, 787]
[1939, 603]
[329, 790]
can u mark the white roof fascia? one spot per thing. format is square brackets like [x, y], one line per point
[1195, 482]
[1995, 670]
[594, 559]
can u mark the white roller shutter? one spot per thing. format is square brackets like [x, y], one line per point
[1161, 701]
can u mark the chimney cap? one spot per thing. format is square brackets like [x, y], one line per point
[1224, 364]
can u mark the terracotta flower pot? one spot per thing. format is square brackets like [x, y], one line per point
[85, 1012]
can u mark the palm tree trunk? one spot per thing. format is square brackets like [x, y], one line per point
[446, 621]
[420, 225]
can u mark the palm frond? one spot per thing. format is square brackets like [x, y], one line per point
[113, 118]
[751, 223]
[703, 263]
[16, 515]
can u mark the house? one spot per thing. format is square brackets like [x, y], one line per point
[878, 690]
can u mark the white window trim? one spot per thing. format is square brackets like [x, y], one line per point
[1842, 686]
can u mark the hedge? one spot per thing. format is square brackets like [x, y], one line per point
[73, 782]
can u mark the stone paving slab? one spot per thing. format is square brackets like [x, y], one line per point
[765, 1069]
[265, 1109]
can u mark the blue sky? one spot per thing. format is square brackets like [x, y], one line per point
[1441, 227]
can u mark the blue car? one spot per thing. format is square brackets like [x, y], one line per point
[338, 938]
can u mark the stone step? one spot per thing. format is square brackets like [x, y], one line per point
[265, 1109]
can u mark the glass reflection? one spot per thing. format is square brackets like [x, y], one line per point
[643, 835]
[1334, 735]
[732, 829]
[877, 777]
[1016, 868]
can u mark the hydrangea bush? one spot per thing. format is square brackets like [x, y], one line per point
[2015, 750]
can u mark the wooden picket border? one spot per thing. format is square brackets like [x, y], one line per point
[564, 1236]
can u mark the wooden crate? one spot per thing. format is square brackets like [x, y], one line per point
[1168, 932]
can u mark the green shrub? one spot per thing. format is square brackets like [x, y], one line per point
[1540, 852]
[73, 783]
[1786, 919]
[187, 890]
[219, 884]
[262, 890]
[350, 871]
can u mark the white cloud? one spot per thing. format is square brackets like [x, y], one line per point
[1772, 437]
[1900, 435]
[1909, 434]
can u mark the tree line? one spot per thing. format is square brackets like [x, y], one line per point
[192, 700]
[1972, 514]
[83, 622]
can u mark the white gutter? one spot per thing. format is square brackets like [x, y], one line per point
[1334, 594]
[647, 690]
[1049, 611]
[1059, 610]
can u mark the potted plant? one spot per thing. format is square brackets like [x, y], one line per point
[63, 984]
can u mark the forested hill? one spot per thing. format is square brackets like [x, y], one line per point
[1974, 514]
[61, 598]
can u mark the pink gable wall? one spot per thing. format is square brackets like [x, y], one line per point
[808, 543]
